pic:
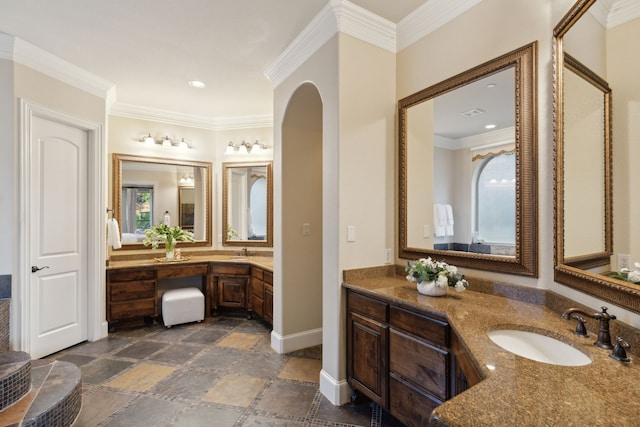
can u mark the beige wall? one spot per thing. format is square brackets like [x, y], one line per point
[8, 210]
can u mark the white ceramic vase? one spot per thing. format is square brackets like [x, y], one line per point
[431, 289]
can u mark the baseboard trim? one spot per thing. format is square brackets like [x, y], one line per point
[337, 392]
[297, 341]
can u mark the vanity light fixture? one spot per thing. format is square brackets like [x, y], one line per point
[245, 148]
[165, 142]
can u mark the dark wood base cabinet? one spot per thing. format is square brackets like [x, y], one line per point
[262, 293]
[406, 361]
[231, 291]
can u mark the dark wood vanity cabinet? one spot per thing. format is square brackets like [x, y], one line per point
[230, 288]
[131, 295]
[402, 359]
[262, 293]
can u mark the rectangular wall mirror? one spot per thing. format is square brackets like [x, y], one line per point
[145, 188]
[596, 95]
[247, 204]
[467, 162]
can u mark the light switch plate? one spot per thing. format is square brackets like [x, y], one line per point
[426, 231]
[351, 233]
[306, 229]
[624, 261]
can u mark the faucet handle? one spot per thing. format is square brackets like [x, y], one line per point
[606, 315]
[619, 352]
[581, 330]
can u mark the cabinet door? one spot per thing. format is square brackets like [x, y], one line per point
[268, 303]
[465, 373]
[367, 357]
[232, 292]
[257, 296]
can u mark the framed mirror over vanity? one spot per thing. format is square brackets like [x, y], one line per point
[147, 188]
[597, 103]
[247, 204]
[467, 167]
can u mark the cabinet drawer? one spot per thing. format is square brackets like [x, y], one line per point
[419, 363]
[183, 271]
[435, 331]
[127, 310]
[367, 306]
[408, 404]
[128, 275]
[268, 277]
[235, 269]
[127, 291]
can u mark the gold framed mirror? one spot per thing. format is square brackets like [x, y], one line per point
[453, 172]
[247, 204]
[145, 189]
[592, 46]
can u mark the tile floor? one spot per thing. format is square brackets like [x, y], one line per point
[221, 372]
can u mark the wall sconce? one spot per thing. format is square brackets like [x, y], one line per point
[165, 142]
[245, 148]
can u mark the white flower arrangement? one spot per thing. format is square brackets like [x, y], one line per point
[443, 274]
[629, 274]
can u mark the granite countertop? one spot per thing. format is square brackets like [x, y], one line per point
[264, 262]
[516, 390]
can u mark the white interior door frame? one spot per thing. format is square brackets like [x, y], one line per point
[96, 239]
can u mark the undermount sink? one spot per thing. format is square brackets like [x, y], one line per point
[538, 347]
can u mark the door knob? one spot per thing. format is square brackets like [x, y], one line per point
[35, 268]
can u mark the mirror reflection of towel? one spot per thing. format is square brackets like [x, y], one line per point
[449, 220]
[439, 220]
[113, 234]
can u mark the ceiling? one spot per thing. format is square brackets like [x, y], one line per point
[150, 49]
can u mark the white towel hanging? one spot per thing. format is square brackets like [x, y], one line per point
[439, 220]
[449, 220]
[113, 234]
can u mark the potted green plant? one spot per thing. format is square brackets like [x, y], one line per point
[163, 233]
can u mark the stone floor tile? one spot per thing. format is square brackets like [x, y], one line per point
[192, 384]
[256, 421]
[77, 359]
[217, 358]
[102, 369]
[360, 414]
[300, 369]
[235, 390]
[239, 340]
[100, 404]
[105, 345]
[260, 365]
[208, 416]
[206, 336]
[147, 411]
[287, 398]
[141, 377]
[174, 334]
[141, 349]
[178, 353]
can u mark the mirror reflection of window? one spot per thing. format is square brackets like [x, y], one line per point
[137, 212]
[495, 200]
[258, 209]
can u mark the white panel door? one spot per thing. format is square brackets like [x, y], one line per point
[58, 230]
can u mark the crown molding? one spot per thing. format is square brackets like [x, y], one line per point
[180, 119]
[429, 17]
[17, 50]
[623, 11]
[337, 16]
[482, 140]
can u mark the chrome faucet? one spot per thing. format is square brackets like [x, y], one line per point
[244, 252]
[604, 337]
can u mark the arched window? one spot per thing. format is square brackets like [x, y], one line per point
[495, 200]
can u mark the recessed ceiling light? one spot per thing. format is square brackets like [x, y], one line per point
[197, 84]
[490, 126]
[491, 85]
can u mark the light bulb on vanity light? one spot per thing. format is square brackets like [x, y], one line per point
[242, 149]
[148, 140]
[166, 142]
[257, 147]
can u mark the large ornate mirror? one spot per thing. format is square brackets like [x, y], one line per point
[145, 189]
[467, 167]
[247, 215]
[596, 69]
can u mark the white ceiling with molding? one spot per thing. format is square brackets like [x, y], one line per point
[150, 49]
